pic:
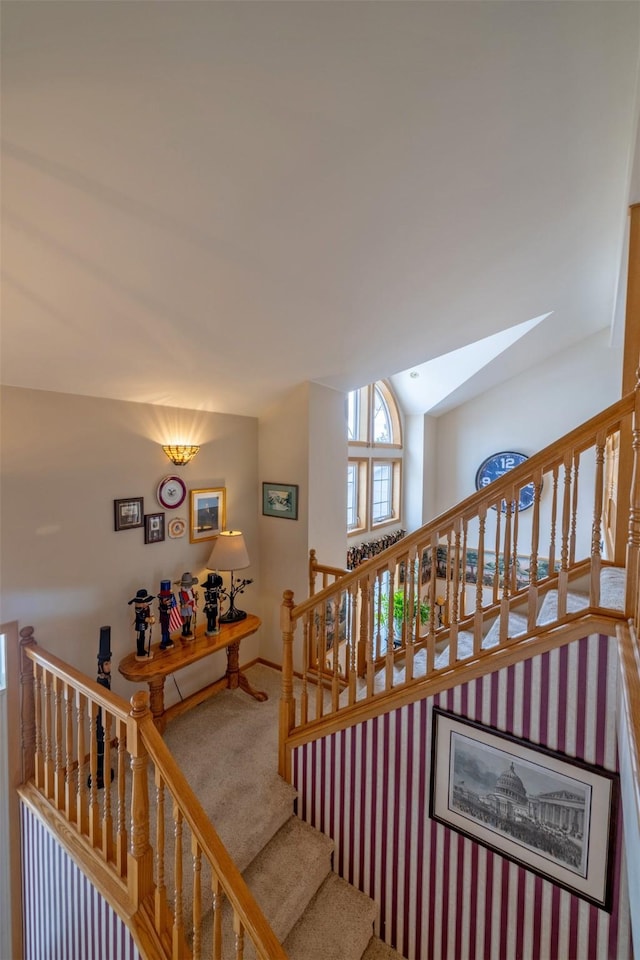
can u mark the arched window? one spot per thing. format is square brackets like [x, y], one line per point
[374, 477]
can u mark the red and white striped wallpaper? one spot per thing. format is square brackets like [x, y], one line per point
[65, 916]
[442, 896]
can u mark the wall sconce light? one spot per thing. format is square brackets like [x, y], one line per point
[181, 453]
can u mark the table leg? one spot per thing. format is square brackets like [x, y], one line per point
[235, 678]
[233, 665]
[246, 686]
[156, 701]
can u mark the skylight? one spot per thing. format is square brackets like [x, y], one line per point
[422, 387]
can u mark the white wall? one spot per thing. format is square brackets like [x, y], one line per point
[415, 466]
[302, 440]
[420, 461]
[65, 459]
[328, 475]
[284, 458]
[64, 570]
[525, 414]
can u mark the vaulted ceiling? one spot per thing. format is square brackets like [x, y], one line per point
[207, 203]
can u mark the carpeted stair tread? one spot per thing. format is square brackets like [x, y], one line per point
[465, 649]
[548, 612]
[234, 776]
[337, 925]
[288, 872]
[378, 950]
[612, 587]
[517, 624]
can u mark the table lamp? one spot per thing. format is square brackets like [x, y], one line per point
[230, 553]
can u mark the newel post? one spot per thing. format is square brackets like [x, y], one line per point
[627, 478]
[287, 702]
[140, 855]
[312, 571]
[632, 600]
[27, 705]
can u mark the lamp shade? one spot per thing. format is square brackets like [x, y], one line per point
[181, 453]
[229, 552]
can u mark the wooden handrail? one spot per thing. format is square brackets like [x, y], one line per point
[244, 905]
[633, 539]
[61, 712]
[322, 569]
[82, 684]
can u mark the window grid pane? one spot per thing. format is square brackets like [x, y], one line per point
[382, 492]
[352, 496]
[381, 419]
[353, 415]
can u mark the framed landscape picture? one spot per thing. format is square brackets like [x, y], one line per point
[550, 813]
[208, 513]
[280, 500]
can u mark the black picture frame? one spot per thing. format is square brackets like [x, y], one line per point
[547, 812]
[154, 527]
[280, 500]
[128, 513]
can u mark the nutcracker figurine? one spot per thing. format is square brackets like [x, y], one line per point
[188, 601]
[212, 586]
[166, 601]
[142, 622]
[104, 679]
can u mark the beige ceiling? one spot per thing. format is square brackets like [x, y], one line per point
[205, 203]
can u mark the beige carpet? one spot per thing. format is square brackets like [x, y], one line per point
[227, 748]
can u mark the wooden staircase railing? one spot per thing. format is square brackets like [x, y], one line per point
[479, 572]
[144, 840]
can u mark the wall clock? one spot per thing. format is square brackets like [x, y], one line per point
[496, 466]
[171, 492]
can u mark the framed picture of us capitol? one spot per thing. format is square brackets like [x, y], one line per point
[548, 812]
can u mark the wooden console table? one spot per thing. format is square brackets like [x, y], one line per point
[156, 669]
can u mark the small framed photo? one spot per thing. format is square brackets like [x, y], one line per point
[153, 527]
[208, 514]
[280, 500]
[546, 811]
[128, 513]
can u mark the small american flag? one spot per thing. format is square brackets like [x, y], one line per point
[175, 620]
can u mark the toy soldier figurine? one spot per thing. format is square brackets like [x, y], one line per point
[187, 600]
[165, 602]
[211, 591]
[104, 679]
[104, 658]
[143, 620]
